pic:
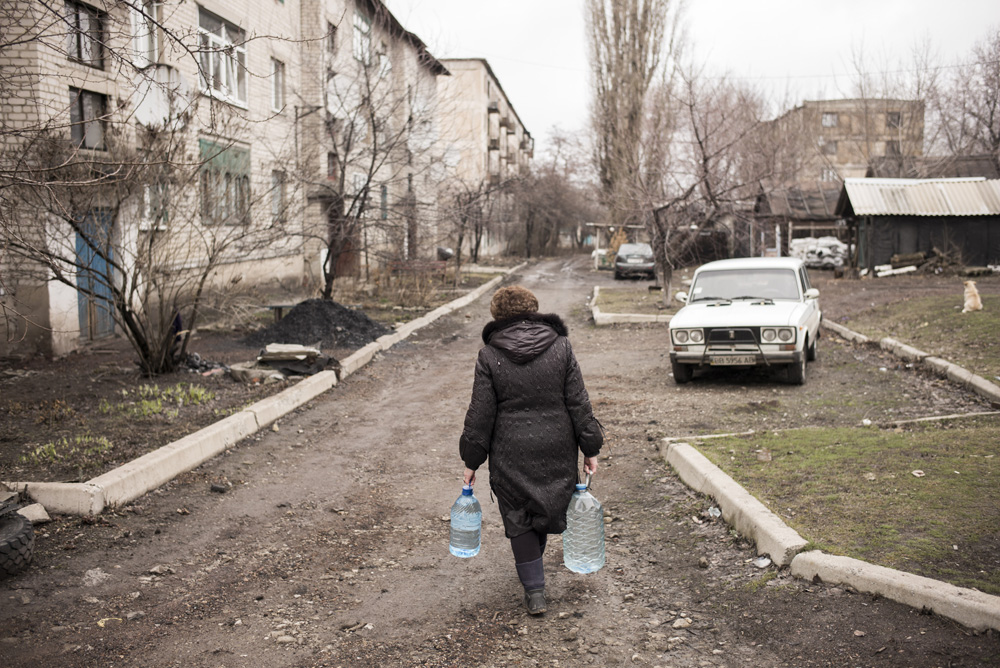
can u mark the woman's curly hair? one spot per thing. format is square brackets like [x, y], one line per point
[512, 301]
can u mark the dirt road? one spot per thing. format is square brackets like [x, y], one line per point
[330, 546]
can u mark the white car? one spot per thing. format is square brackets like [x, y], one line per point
[747, 312]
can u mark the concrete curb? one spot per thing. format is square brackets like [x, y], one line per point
[784, 546]
[601, 318]
[144, 474]
[943, 368]
[739, 508]
[967, 606]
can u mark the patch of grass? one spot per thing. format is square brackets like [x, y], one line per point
[632, 300]
[147, 400]
[936, 325]
[853, 492]
[76, 448]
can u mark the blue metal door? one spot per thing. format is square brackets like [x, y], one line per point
[94, 278]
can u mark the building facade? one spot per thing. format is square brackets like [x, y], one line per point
[156, 150]
[486, 149]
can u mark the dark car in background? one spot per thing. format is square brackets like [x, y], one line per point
[634, 260]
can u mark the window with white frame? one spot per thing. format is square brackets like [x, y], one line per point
[362, 37]
[893, 119]
[85, 36]
[829, 119]
[278, 203]
[154, 207]
[828, 175]
[86, 115]
[277, 85]
[145, 34]
[223, 59]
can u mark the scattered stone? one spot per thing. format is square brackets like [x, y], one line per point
[682, 623]
[219, 488]
[138, 614]
[702, 562]
[95, 577]
[762, 562]
[285, 640]
[35, 513]
[161, 569]
[571, 635]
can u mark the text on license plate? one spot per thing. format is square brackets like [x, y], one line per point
[730, 360]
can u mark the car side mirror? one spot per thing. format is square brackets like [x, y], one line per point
[681, 297]
[812, 293]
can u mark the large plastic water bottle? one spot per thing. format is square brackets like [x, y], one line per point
[583, 540]
[466, 525]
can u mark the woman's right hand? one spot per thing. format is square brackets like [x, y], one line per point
[470, 477]
[590, 465]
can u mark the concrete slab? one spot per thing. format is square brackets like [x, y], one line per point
[359, 358]
[967, 606]
[68, 498]
[35, 513]
[984, 388]
[844, 332]
[739, 508]
[903, 351]
[132, 480]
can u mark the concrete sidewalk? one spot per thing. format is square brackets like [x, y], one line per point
[130, 481]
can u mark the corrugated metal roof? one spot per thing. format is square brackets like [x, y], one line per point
[921, 197]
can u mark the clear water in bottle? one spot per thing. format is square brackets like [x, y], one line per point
[466, 525]
[583, 540]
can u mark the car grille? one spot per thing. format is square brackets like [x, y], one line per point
[728, 335]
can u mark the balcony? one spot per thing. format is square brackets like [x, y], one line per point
[493, 108]
[494, 144]
[505, 122]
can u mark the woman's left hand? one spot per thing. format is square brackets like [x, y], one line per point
[470, 477]
[590, 465]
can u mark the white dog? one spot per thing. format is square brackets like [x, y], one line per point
[972, 300]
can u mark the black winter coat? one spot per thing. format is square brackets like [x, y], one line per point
[529, 415]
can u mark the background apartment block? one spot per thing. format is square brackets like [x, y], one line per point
[837, 139]
[487, 147]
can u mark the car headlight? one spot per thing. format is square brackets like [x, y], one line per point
[697, 336]
[681, 336]
[768, 335]
[786, 334]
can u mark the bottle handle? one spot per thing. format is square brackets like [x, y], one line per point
[589, 476]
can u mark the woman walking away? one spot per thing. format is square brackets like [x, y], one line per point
[530, 416]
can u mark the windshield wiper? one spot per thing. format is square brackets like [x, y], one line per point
[767, 300]
[711, 299]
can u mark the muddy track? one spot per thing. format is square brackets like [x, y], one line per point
[329, 548]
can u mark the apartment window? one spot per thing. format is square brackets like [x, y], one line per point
[892, 148]
[86, 115]
[332, 166]
[223, 61]
[829, 120]
[154, 207]
[278, 202]
[225, 183]
[362, 37]
[86, 34]
[331, 38]
[894, 119]
[145, 36]
[828, 175]
[277, 85]
[829, 148]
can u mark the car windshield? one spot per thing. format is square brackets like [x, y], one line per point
[745, 284]
[635, 249]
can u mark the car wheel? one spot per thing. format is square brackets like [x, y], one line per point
[682, 372]
[797, 371]
[17, 542]
[618, 276]
[811, 351]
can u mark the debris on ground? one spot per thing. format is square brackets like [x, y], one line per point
[195, 364]
[293, 359]
[820, 253]
[255, 373]
[322, 323]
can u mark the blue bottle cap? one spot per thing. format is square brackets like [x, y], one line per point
[580, 487]
[466, 490]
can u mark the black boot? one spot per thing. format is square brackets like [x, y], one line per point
[532, 576]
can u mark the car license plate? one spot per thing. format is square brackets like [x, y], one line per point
[733, 360]
[634, 260]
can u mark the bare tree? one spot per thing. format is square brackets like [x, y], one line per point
[969, 103]
[629, 41]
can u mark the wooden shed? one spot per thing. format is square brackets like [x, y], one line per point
[959, 217]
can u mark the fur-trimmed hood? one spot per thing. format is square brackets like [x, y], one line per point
[524, 337]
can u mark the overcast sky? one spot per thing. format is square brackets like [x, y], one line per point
[800, 49]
